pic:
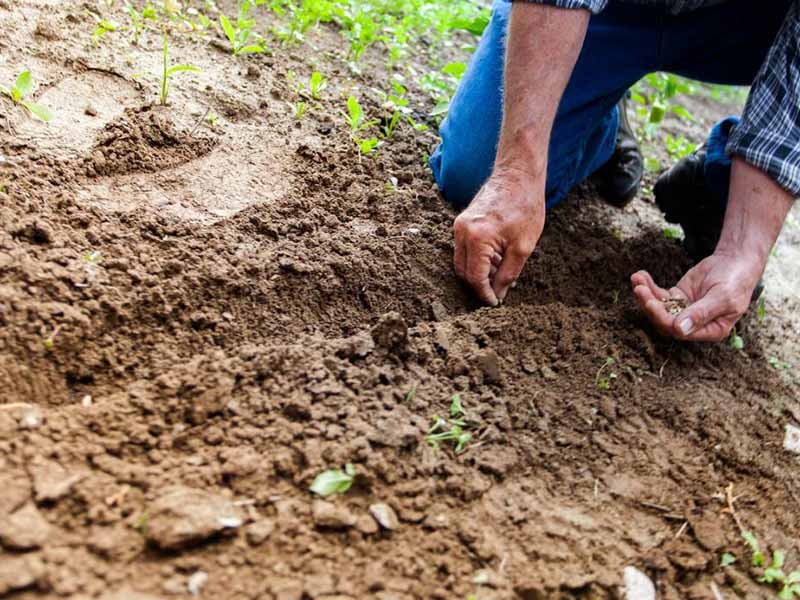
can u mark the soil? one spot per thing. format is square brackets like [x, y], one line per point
[196, 320]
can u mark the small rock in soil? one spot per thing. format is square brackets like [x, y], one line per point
[20, 573]
[638, 585]
[25, 529]
[792, 440]
[31, 418]
[258, 532]
[437, 521]
[384, 515]
[51, 481]
[196, 582]
[487, 361]
[182, 516]
[367, 525]
[390, 332]
[438, 311]
[548, 373]
[329, 516]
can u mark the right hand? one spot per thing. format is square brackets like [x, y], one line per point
[497, 233]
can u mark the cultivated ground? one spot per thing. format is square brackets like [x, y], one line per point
[198, 318]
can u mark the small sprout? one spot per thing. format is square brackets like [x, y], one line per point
[672, 233]
[170, 71]
[212, 120]
[761, 309]
[334, 481]
[103, 27]
[777, 363]
[411, 394]
[316, 83]
[450, 430]
[300, 109]
[21, 90]
[602, 381]
[758, 556]
[239, 34]
[367, 146]
[456, 408]
[735, 341]
[93, 257]
[727, 559]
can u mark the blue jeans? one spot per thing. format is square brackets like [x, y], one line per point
[722, 44]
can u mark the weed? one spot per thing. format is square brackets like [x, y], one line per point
[450, 430]
[240, 33]
[21, 89]
[168, 72]
[334, 481]
[603, 381]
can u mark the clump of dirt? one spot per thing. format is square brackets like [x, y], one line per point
[674, 306]
[144, 139]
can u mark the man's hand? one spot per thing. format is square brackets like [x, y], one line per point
[498, 232]
[717, 292]
[719, 288]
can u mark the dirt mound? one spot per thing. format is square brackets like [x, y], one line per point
[144, 139]
[195, 326]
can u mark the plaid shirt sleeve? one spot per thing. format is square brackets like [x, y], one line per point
[768, 136]
[593, 5]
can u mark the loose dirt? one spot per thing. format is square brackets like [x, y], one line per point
[195, 321]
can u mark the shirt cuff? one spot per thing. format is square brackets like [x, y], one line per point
[595, 6]
[774, 154]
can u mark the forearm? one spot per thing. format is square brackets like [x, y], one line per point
[757, 208]
[543, 44]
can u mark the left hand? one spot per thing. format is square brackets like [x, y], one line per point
[717, 291]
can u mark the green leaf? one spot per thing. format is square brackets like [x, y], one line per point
[657, 112]
[727, 559]
[253, 49]
[24, 83]
[456, 409]
[411, 395]
[367, 146]
[736, 342]
[355, 112]
[672, 233]
[778, 559]
[441, 108]
[456, 69]
[38, 111]
[178, 68]
[758, 556]
[334, 481]
[682, 112]
[230, 32]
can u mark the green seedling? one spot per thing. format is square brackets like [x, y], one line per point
[773, 573]
[212, 120]
[411, 395]
[678, 147]
[395, 105]
[168, 72]
[355, 116]
[450, 430]
[727, 559]
[316, 83]
[602, 380]
[777, 363]
[368, 145]
[761, 309]
[334, 481]
[241, 34]
[299, 110]
[103, 27]
[138, 19]
[672, 233]
[21, 90]
[735, 340]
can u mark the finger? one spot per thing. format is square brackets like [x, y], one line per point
[513, 261]
[644, 278]
[707, 320]
[654, 308]
[477, 274]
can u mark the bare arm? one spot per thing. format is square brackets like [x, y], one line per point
[719, 287]
[497, 233]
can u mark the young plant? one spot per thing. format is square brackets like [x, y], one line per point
[773, 573]
[239, 34]
[21, 89]
[355, 118]
[603, 381]
[735, 340]
[672, 233]
[316, 83]
[334, 481]
[103, 27]
[450, 430]
[299, 110]
[168, 72]
[138, 19]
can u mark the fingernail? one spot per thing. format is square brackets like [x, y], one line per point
[686, 326]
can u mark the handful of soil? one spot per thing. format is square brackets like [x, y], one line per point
[674, 306]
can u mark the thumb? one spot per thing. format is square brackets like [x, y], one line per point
[508, 271]
[698, 321]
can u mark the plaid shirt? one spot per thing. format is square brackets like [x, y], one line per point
[768, 136]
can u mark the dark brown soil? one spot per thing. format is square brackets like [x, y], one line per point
[236, 308]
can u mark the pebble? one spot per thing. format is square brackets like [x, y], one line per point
[181, 516]
[438, 311]
[329, 516]
[791, 441]
[196, 582]
[384, 515]
[638, 585]
[18, 573]
[258, 532]
[366, 524]
[51, 481]
[25, 529]
[548, 373]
